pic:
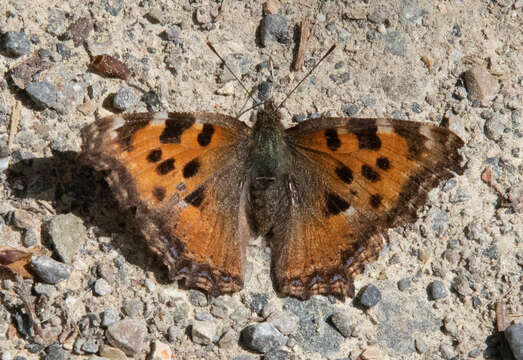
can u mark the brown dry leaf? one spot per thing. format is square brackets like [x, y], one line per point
[15, 261]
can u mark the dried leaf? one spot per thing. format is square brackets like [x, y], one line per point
[108, 66]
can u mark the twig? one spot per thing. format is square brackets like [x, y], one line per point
[15, 119]
[302, 48]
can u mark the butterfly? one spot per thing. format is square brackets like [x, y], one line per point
[324, 192]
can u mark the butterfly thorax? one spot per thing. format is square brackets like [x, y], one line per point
[268, 167]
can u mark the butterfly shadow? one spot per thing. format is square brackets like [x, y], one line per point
[64, 181]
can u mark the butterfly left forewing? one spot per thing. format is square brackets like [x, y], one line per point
[184, 174]
[354, 179]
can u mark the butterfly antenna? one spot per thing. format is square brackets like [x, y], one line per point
[210, 45]
[306, 76]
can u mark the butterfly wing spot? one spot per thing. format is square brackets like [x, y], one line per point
[159, 193]
[205, 136]
[335, 204]
[367, 138]
[196, 197]
[174, 129]
[375, 200]
[383, 163]
[369, 173]
[191, 168]
[154, 155]
[345, 174]
[333, 141]
[165, 167]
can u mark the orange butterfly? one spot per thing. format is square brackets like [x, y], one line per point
[323, 192]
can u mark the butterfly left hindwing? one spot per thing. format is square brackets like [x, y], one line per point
[184, 173]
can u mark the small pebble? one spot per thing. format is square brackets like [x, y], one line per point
[124, 99]
[42, 93]
[404, 284]
[197, 298]
[262, 337]
[447, 351]
[480, 84]
[203, 332]
[50, 271]
[161, 351]
[437, 290]
[102, 287]
[133, 308]
[343, 323]
[16, 43]
[421, 347]
[369, 296]
[30, 238]
[127, 335]
[274, 28]
[175, 333]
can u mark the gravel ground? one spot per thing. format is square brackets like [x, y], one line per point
[432, 293]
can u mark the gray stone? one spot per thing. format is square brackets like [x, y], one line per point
[437, 290]
[102, 287]
[133, 308]
[404, 284]
[67, 234]
[322, 339]
[447, 351]
[30, 238]
[203, 332]
[278, 354]
[197, 298]
[172, 33]
[262, 337]
[109, 317]
[43, 94]
[219, 309]
[127, 335]
[90, 346]
[274, 27]
[175, 333]
[46, 290]
[55, 352]
[124, 99]
[229, 339]
[396, 44]
[369, 296]
[514, 336]
[480, 84]
[421, 346]
[50, 271]
[494, 128]
[16, 43]
[343, 323]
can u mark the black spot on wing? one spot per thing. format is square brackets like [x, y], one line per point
[383, 163]
[335, 204]
[174, 129]
[344, 173]
[165, 167]
[205, 136]
[375, 201]
[159, 193]
[195, 198]
[333, 141]
[154, 156]
[369, 173]
[191, 168]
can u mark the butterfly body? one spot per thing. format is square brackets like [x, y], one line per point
[323, 192]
